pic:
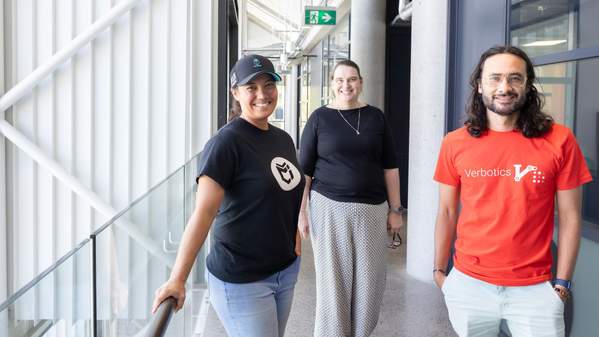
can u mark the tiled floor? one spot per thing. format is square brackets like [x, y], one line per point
[411, 308]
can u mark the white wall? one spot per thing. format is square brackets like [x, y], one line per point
[123, 113]
[3, 215]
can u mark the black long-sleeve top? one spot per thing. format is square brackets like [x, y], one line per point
[346, 166]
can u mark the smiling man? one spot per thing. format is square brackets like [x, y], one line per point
[507, 166]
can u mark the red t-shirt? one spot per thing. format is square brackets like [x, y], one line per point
[507, 187]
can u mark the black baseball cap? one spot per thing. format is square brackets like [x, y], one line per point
[250, 66]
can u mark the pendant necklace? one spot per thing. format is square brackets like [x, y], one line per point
[348, 123]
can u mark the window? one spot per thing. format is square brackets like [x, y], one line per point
[542, 27]
[304, 104]
[334, 49]
[278, 116]
[556, 31]
[570, 97]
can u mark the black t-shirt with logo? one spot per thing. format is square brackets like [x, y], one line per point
[346, 166]
[253, 234]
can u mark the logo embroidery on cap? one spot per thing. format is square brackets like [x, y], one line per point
[257, 63]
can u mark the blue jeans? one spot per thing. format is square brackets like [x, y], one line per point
[255, 309]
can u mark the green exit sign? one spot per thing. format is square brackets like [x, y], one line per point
[320, 15]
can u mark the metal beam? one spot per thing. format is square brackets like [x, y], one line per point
[32, 80]
[274, 14]
[281, 36]
[39, 156]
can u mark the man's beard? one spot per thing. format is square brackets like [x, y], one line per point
[505, 110]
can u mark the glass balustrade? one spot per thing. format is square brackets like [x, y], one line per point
[105, 286]
[56, 304]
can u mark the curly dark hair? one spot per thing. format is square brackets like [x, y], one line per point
[532, 122]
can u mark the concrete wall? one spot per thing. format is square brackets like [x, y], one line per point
[368, 29]
[586, 295]
[428, 92]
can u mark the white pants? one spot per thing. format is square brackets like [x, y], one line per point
[476, 308]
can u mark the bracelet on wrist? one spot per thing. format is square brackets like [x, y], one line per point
[399, 210]
[566, 284]
[439, 270]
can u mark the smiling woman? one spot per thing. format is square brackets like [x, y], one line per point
[253, 85]
[249, 195]
[348, 156]
[258, 99]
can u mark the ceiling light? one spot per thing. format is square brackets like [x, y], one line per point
[545, 43]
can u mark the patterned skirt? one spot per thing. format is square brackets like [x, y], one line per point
[349, 243]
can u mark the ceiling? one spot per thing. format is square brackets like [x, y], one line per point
[276, 27]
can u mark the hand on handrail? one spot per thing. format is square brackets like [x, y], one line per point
[170, 288]
[159, 323]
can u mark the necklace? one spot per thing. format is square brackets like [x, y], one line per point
[357, 130]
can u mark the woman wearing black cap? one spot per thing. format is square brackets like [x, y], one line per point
[348, 156]
[249, 189]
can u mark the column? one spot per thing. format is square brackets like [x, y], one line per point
[428, 106]
[367, 34]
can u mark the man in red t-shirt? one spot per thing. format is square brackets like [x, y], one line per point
[507, 166]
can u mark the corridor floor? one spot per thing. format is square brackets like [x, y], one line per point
[411, 308]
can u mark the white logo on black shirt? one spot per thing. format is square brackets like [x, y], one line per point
[287, 175]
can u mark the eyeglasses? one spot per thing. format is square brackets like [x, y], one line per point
[513, 80]
[395, 241]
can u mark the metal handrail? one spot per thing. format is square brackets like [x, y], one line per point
[159, 322]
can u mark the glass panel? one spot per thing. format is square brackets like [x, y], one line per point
[315, 79]
[542, 27]
[327, 67]
[557, 83]
[570, 90]
[340, 41]
[316, 72]
[335, 49]
[132, 260]
[278, 116]
[191, 188]
[58, 304]
[305, 98]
